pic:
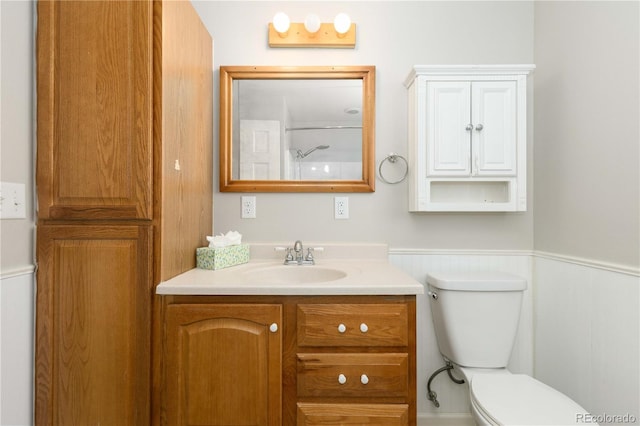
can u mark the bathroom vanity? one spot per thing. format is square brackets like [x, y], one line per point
[337, 346]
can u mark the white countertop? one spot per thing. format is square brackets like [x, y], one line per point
[371, 275]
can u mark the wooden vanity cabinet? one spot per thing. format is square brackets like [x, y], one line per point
[342, 360]
[124, 188]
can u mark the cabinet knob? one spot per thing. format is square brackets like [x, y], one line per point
[479, 127]
[273, 327]
[342, 328]
[364, 328]
[342, 379]
[364, 379]
[469, 127]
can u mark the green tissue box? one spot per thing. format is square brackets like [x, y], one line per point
[222, 257]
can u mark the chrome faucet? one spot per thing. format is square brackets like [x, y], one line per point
[295, 255]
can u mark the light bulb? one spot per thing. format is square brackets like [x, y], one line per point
[281, 23]
[342, 23]
[312, 23]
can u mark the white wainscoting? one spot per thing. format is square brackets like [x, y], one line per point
[587, 333]
[453, 398]
[583, 316]
[16, 347]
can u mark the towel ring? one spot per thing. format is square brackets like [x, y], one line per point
[393, 158]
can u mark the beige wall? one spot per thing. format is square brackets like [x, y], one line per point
[587, 138]
[393, 36]
[16, 124]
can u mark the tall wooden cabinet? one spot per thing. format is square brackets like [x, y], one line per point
[124, 187]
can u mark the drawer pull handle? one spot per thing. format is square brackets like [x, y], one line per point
[364, 379]
[342, 328]
[364, 328]
[342, 379]
[273, 327]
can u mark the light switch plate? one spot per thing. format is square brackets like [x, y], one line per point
[12, 200]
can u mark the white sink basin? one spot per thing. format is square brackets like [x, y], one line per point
[294, 274]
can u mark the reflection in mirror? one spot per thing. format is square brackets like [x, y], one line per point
[296, 129]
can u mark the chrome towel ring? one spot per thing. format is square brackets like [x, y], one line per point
[393, 158]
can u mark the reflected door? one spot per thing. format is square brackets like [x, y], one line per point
[259, 149]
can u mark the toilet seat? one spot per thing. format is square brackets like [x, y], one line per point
[518, 399]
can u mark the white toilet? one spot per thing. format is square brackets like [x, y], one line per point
[476, 319]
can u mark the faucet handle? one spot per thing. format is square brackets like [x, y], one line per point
[312, 249]
[289, 256]
[309, 256]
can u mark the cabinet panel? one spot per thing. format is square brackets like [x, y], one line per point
[93, 325]
[494, 121]
[94, 109]
[224, 365]
[468, 137]
[352, 414]
[448, 134]
[353, 375]
[352, 325]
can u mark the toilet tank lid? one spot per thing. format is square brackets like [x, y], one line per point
[476, 281]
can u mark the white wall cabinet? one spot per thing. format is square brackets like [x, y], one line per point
[467, 138]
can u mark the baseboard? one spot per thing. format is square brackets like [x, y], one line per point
[449, 419]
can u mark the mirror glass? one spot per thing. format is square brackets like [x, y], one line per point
[297, 129]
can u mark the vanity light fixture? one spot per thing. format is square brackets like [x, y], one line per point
[312, 32]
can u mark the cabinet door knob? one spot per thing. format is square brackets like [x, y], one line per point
[479, 127]
[273, 327]
[342, 328]
[342, 379]
[364, 328]
[469, 127]
[364, 379]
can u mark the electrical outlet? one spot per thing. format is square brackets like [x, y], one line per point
[341, 207]
[12, 201]
[248, 207]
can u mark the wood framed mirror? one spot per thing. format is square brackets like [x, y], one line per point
[297, 129]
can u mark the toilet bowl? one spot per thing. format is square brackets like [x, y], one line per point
[475, 316]
[502, 398]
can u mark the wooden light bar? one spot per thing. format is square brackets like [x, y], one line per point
[326, 36]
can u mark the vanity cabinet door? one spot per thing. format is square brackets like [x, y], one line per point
[223, 364]
[310, 414]
[359, 375]
[346, 324]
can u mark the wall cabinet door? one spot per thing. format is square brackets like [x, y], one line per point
[93, 325]
[471, 128]
[493, 116]
[223, 364]
[448, 128]
[94, 109]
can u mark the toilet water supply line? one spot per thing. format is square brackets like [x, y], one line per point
[433, 397]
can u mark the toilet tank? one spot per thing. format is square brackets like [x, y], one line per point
[476, 316]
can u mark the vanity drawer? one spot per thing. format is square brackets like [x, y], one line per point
[310, 414]
[353, 375]
[352, 324]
